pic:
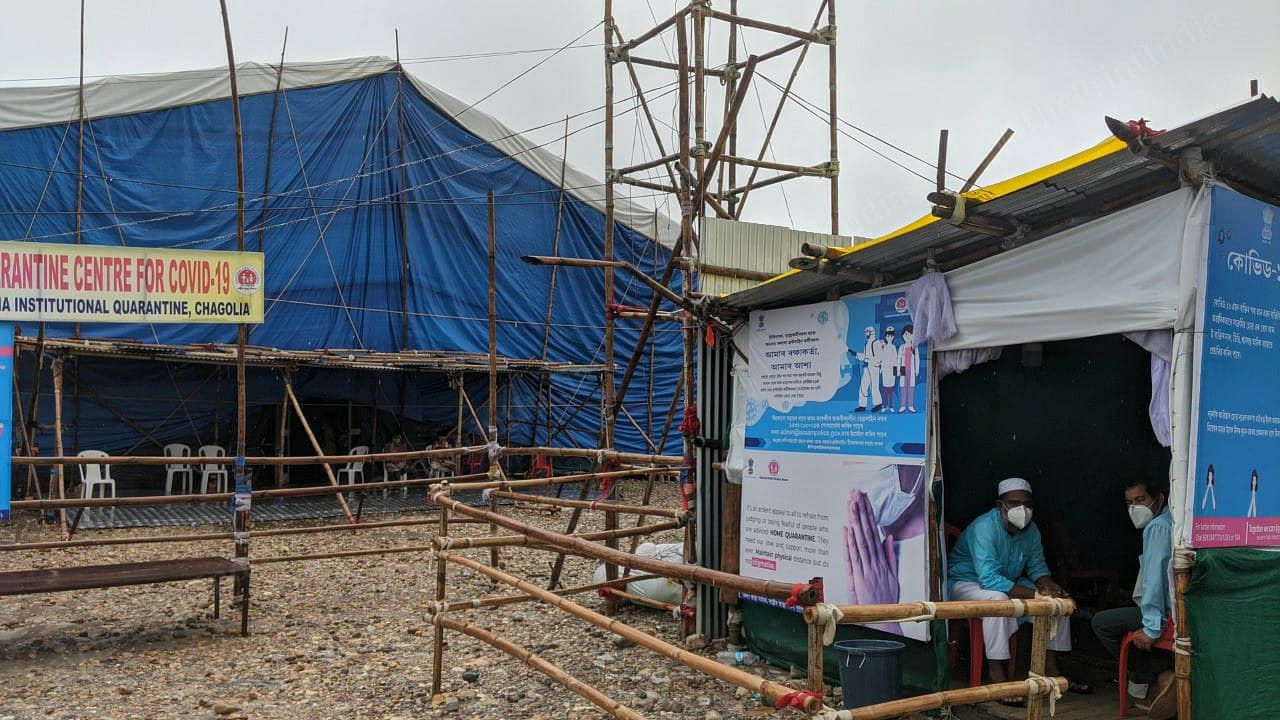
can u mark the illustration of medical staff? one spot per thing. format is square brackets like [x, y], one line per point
[1253, 495]
[888, 367]
[908, 369]
[1209, 497]
[869, 388]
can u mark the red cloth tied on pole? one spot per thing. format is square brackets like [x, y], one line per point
[606, 484]
[797, 699]
[690, 426]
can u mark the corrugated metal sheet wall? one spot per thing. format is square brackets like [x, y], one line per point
[752, 246]
[715, 404]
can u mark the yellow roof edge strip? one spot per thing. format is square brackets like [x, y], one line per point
[991, 192]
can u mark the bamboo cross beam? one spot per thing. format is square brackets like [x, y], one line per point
[964, 696]
[770, 691]
[501, 600]
[610, 706]
[605, 507]
[306, 427]
[265, 460]
[950, 610]
[568, 543]
[456, 543]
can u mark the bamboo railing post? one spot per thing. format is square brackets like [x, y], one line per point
[495, 469]
[282, 437]
[306, 427]
[1039, 648]
[815, 669]
[437, 643]
[1183, 559]
[33, 482]
[56, 367]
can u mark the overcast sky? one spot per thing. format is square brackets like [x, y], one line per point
[1049, 70]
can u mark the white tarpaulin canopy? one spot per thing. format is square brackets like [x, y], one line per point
[1113, 275]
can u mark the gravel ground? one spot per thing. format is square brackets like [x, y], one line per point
[341, 638]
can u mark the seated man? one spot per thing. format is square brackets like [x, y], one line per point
[998, 557]
[396, 469]
[1149, 513]
[442, 465]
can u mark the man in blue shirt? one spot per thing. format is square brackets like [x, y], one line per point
[1149, 513]
[998, 557]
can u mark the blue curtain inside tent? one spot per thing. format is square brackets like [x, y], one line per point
[328, 221]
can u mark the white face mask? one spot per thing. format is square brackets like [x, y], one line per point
[886, 496]
[1140, 515]
[1019, 517]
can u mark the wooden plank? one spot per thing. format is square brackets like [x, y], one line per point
[23, 582]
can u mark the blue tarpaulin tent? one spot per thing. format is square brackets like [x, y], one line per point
[331, 162]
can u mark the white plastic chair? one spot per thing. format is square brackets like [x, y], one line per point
[208, 470]
[183, 470]
[93, 475]
[355, 467]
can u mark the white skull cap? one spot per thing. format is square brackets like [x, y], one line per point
[1011, 484]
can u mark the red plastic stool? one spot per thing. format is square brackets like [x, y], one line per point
[1164, 642]
[978, 652]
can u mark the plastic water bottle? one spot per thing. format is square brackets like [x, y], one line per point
[737, 657]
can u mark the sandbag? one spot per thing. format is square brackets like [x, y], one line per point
[661, 589]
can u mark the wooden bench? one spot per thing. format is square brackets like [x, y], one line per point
[31, 582]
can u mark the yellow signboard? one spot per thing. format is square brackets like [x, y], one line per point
[47, 282]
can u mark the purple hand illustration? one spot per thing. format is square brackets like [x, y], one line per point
[872, 565]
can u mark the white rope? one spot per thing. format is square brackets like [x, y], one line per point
[827, 617]
[1019, 607]
[1038, 684]
[1059, 609]
[930, 613]
[1183, 558]
[444, 542]
[1182, 645]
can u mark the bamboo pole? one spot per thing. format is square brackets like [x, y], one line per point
[814, 668]
[501, 600]
[462, 397]
[240, 520]
[609, 421]
[401, 215]
[1039, 648]
[767, 26]
[654, 31]
[730, 83]
[679, 571]
[344, 554]
[56, 367]
[306, 427]
[462, 483]
[771, 691]
[950, 610]
[1182, 648]
[437, 644]
[495, 470]
[832, 119]
[271, 140]
[282, 437]
[33, 482]
[604, 507]
[964, 696]
[526, 541]
[269, 460]
[80, 152]
[604, 702]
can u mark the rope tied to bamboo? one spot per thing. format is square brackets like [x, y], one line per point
[1183, 558]
[827, 616]
[444, 542]
[1059, 607]
[438, 607]
[1019, 607]
[930, 613]
[1038, 684]
[1182, 645]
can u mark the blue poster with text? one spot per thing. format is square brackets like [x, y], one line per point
[1236, 437]
[846, 377]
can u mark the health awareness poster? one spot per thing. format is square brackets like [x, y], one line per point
[835, 437]
[6, 418]
[1235, 442]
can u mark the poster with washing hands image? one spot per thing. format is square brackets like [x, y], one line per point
[834, 452]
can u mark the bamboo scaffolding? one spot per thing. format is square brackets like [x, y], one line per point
[604, 507]
[495, 468]
[437, 644]
[597, 698]
[568, 543]
[306, 427]
[770, 691]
